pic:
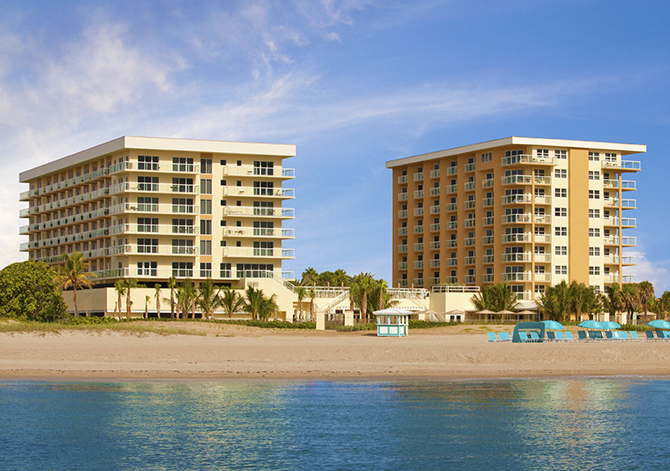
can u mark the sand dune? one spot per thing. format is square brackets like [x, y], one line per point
[243, 352]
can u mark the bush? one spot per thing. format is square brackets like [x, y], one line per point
[637, 328]
[355, 328]
[28, 291]
[429, 325]
[273, 324]
[97, 320]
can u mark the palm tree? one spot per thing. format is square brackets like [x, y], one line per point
[120, 288]
[208, 298]
[146, 306]
[631, 299]
[186, 295]
[129, 283]
[254, 302]
[613, 301]
[231, 301]
[645, 292]
[172, 284]
[556, 301]
[497, 297]
[361, 287]
[157, 295]
[312, 295]
[268, 306]
[664, 303]
[75, 275]
[301, 292]
[309, 277]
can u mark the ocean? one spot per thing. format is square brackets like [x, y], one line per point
[564, 423]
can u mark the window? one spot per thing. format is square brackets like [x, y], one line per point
[225, 270]
[610, 157]
[561, 192]
[561, 270]
[205, 226]
[182, 164]
[594, 175]
[263, 188]
[594, 270]
[147, 245]
[560, 173]
[560, 212]
[486, 157]
[146, 162]
[543, 152]
[182, 205]
[205, 206]
[182, 269]
[147, 183]
[263, 168]
[205, 270]
[182, 246]
[182, 185]
[594, 213]
[594, 156]
[594, 251]
[206, 186]
[561, 231]
[147, 224]
[182, 226]
[594, 194]
[594, 232]
[561, 154]
[147, 268]
[205, 165]
[223, 162]
[205, 247]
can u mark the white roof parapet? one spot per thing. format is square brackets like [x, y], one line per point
[514, 140]
[159, 143]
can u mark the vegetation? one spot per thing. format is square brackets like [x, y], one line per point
[565, 302]
[497, 297]
[74, 274]
[258, 305]
[310, 277]
[208, 298]
[29, 291]
[231, 301]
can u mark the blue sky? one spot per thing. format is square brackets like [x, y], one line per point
[353, 83]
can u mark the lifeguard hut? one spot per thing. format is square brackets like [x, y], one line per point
[392, 322]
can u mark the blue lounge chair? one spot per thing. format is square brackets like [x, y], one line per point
[650, 334]
[492, 337]
[582, 335]
[559, 336]
[599, 335]
[568, 335]
[504, 337]
[633, 335]
[662, 334]
[622, 335]
[610, 335]
[534, 337]
[523, 336]
[551, 336]
[592, 334]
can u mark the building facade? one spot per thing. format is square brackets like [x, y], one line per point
[152, 208]
[528, 211]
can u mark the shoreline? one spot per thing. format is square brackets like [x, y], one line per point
[235, 352]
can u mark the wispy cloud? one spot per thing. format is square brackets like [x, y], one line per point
[655, 271]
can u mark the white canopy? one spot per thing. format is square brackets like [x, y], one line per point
[392, 311]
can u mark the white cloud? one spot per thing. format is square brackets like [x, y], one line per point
[655, 271]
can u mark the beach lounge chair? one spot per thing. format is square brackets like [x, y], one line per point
[504, 337]
[622, 335]
[551, 336]
[559, 336]
[568, 335]
[492, 337]
[633, 335]
[534, 337]
[599, 335]
[662, 334]
[650, 334]
[523, 336]
[592, 334]
[610, 335]
[582, 335]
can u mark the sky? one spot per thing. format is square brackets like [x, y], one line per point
[352, 83]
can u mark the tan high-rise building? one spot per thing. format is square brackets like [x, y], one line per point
[152, 208]
[528, 211]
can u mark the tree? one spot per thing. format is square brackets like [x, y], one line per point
[645, 292]
[664, 303]
[74, 274]
[146, 306]
[362, 286]
[172, 284]
[208, 298]
[29, 290]
[186, 294]
[231, 301]
[312, 311]
[128, 284]
[613, 300]
[120, 288]
[301, 292]
[268, 306]
[309, 277]
[254, 301]
[497, 297]
[631, 299]
[157, 295]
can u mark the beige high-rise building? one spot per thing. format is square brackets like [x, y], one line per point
[528, 211]
[152, 208]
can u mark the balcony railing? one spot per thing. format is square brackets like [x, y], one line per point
[469, 242]
[542, 258]
[418, 229]
[435, 173]
[402, 249]
[435, 263]
[517, 199]
[517, 257]
[469, 223]
[471, 204]
[452, 262]
[435, 191]
[452, 225]
[402, 179]
[451, 243]
[435, 245]
[280, 193]
[487, 202]
[418, 264]
[418, 281]
[629, 165]
[470, 279]
[615, 259]
[452, 170]
[451, 189]
[418, 176]
[488, 278]
[253, 252]
[402, 231]
[470, 260]
[255, 211]
[452, 207]
[418, 247]
[469, 186]
[418, 211]
[402, 265]
[434, 210]
[488, 221]
[418, 194]
[402, 196]
[487, 240]
[542, 277]
[625, 184]
[519, 237]
[469, 167]
[528, 159]
[402, 214]
[434, 227]
[488, 259]
[488, 183]
[519, 276]
[434, 281]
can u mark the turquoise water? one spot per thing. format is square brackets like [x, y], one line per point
[423, 425]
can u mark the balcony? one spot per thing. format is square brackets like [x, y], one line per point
[622, 165]
[469, 186]
[470, 260]
[469, 167]
[435, 263]
[402, 231]
[469, 223]
[519, 276]
[517, 257]
[160, 229]
[434, 210]
[402, 265]
[434, 227]
[452, 262]
[488, 221]
[259, 232]
[418, 247]
[543, 277]
[435, 191]
[541, 199]
[402, 179]
[402, 249]
[418, 264]
[525, 296]
[509, 238]
[451, 243]
[471, 204]
[24, 230]
[402, 196]
[488, 278]
[527, 159]
[542, 238]
[629, 279]
[24, 195]
[418, 281]
[488, 183]
[452, 207]
[625, 184]
[435, 173]
[487, 240]
[24, 213]
[402, 283]
[418, 176]
[451, 189]
[434, 281]
[615, 240]
[435, 245]
[625, 222]
[470, 279]
[452, 170]
[517, 199]
[452, 225]
[526, 218]
[252, 252]
[616, 260]
[487, 259]
[154, 208]
[258, 212]
[487, 202]
[279, 193]
[452, 280]
[418, 194]
[542, 258]
[418, 229]
[418, 211]
[469, 242]
[402, 214]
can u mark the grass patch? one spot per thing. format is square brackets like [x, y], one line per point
[430, 325]
[355, 328]
[269, 324]
[57, 328]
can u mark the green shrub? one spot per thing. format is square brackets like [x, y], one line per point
[429, 325]
[355, 328]
[270, 324]
[637, 328]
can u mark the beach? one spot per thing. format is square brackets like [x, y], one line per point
[226, 352]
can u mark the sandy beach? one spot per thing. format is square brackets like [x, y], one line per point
[247, 352]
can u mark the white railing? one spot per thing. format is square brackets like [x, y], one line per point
[253, 211]
[455, 289]
[527, 159]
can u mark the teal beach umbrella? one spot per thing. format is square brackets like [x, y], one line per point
[659, 324]
[590, 325]
[553, 325]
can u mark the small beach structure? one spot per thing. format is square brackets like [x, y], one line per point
[392, 322]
